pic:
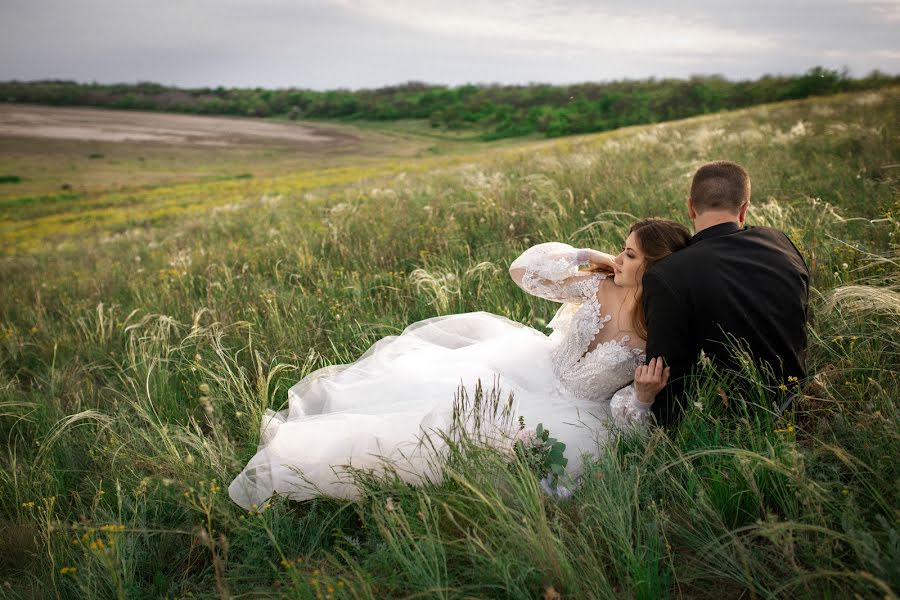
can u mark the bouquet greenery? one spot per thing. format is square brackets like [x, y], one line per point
[544, 454]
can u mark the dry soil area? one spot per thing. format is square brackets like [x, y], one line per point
[47, 150]
[91, 124]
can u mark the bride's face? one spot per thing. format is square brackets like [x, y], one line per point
[629, 264]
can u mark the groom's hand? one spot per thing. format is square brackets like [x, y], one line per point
[650, 379]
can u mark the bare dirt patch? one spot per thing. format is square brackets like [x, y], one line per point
[89, 124]
[48, 150]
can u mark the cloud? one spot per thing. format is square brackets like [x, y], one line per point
[883, 9]
[533, 26]
[366, 43]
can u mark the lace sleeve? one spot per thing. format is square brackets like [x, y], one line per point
[550, 271]
[627, 411]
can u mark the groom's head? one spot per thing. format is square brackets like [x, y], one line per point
[720, 191]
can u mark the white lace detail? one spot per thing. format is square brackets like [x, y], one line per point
[627, 411]
[596, 373]
[550, 271]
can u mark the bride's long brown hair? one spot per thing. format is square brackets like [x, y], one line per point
[656, 239]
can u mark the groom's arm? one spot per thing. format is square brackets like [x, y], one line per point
[668, 336]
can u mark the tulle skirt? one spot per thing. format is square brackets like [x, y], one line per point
[392, 405]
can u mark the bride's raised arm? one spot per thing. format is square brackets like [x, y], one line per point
[550, 271]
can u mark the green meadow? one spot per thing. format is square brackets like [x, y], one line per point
[145, 330]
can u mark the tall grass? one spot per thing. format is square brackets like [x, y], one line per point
[136, 363]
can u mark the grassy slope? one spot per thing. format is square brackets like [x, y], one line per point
[138, 357]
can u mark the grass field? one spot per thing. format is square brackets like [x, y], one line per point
[143, 333]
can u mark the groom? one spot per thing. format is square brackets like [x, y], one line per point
[732, 282]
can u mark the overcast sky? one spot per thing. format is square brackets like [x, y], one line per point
[325, 44]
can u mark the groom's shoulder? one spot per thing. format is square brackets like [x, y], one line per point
[748, 237]
[701, 258]
[679, 264]
[763, 232]
[773, 240]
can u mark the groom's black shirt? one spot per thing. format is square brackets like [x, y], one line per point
[748, 283]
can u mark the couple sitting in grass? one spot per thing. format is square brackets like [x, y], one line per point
[623, 348]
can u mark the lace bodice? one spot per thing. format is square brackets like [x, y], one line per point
[550, 271]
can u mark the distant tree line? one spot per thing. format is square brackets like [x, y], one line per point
[498, 111]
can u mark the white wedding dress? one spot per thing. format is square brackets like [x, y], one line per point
[380, 408]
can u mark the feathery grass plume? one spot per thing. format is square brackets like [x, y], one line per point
[439, 288]
[867, 300]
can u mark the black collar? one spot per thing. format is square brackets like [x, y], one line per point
[716, 231]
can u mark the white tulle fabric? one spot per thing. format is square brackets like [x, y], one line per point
[380, 409]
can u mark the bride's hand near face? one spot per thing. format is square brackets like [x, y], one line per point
[596, 260]
[649, 380]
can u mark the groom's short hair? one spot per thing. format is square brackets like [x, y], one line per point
[720, 185]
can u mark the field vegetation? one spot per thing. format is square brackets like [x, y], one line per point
[143, 334]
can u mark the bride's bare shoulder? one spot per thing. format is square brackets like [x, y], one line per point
[608, 291]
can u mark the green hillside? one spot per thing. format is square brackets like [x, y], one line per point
[143, 333]
[487, 111]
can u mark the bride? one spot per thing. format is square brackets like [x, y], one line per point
[381, 408]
